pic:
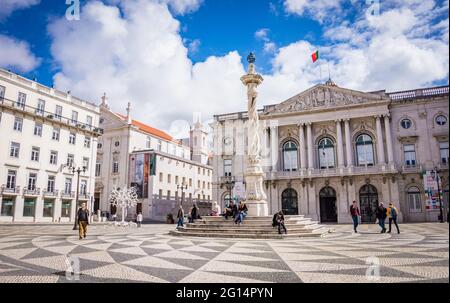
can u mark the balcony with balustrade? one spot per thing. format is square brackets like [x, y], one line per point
[31, 192]
[330, 172]
[83, 196]
[68, 195]
[8, 190]
[50, 194]
[48, 116]
[419, 93]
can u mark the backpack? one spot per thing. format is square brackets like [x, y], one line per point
[393, 212]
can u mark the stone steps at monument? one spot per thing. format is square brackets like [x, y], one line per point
[316, 234]
[249, 230]
[252, 228]
[248, 225]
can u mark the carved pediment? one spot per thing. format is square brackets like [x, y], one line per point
[324, 96]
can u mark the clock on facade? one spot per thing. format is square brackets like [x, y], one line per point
[227, 140]
[441, 120]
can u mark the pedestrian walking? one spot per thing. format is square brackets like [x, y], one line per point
[392, 213]
[82, 219]
[381, 216]
[355, 213]
[139, 219]
[180, 217]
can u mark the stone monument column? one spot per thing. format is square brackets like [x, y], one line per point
[256, 198]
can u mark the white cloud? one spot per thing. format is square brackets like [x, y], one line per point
[7, 7]
[17, 55]
[182, 7]
[263, 35]
[319, 10]
[194, 45]
[402, 48]
[138, 55]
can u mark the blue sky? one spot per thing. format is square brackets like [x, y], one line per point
[221, 26]
[159, 54]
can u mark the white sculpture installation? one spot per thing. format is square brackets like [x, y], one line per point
[123, 198]
[254, 175]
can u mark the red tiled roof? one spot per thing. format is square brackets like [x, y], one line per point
[148, 129]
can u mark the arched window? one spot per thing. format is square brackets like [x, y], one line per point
[289, 202]
[326, 153]
[414, 200]
[290, 156]
[364, 150]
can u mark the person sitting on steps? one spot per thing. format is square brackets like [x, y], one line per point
[280, 222]
[242, 213]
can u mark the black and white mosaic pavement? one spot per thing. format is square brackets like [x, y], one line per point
[43, 253]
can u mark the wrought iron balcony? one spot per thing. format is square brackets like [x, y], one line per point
[66, 194]
[34, 111]
[53, 193]
[83, 196]
[10, 190]
[31, 191]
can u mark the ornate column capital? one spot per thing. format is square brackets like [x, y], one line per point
[308, 124]
[301, 124]
[346, 120]
[337, 120]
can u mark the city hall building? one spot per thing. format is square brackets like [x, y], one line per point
[329, 146]
[45, 135]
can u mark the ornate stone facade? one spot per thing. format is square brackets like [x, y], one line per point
[329, 146]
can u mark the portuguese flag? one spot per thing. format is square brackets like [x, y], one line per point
[315, 56]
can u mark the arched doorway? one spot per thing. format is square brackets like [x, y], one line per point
[289, 202]
[368, 201]
[327, 200]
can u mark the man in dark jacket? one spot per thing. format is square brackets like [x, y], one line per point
[280, 222]
[83, 220]
[381, 216]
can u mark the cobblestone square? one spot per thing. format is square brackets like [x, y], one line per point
[39, 253]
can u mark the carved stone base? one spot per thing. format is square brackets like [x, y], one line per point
[257, 208]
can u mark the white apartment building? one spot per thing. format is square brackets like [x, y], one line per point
[169, 181]
[45, 134]
[124, 137]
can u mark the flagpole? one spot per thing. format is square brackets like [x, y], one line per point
[329, 73]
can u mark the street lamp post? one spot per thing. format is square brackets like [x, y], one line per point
[435, 176]
[183, 187]
[78, 171]
[230, 185]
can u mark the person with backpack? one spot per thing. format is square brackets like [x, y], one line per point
[392, 213]
[381, 216]
[355, 213]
